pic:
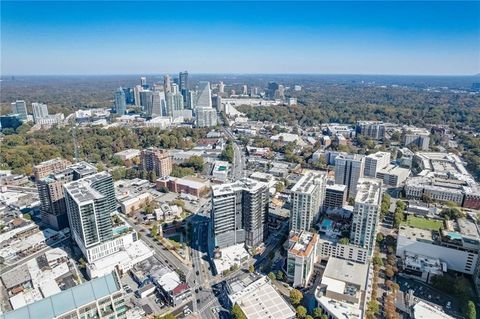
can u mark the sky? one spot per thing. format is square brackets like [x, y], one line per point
[120, 37]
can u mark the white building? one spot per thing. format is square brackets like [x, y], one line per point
[302, 252]
[206, 116]
[393, 175]
[375, 162]
[220, 170]
[416, 136]
[366, 214]
[348, 170]
[307, 199]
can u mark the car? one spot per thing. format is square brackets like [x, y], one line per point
[198, 300]
[449, 305]
[200, 288]
[196, 291]
[197, 272]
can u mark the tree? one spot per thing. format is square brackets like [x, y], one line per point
[308, 317]
[471, 312]
[279, 187]
[296, 296]
[377, 260]
[317, 313]
[301, 312]
[196, 162]
[344, 241]
[152, 177]
[251, 268]
[380, 238]
[271, 276]
[280, 275]
[237, 312]
[27, 216]
[167, 316]
[154, 231]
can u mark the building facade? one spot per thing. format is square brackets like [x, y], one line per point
[348, 170]
[156, 160]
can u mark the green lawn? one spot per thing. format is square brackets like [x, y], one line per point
[423, 223]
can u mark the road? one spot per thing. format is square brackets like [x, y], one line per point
[238, 168]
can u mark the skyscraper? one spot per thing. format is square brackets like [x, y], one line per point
[20, 107]
[244, 90]
[221, 87]
[175, 89]
[375, 162]
[159, 105]
[348, 169]
[143, 82]
[307, 199]
[146, 101]
[204, 95]
[52, 199]
[156, 160]
[239, 212]
[40, 111]
[183, 81]
[136, 94]
[335, 196]
[90, 202]
[272, 88]
[167, 83]
[120, 102]
[366, 213]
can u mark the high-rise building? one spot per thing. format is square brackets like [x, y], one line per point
[183, 81]
[40, 111]
[221, 87]
[120, 102]
[366, 213]
[156, 160]
[48, 167]
[204, 95]
[348, 169]
[307, 199]
[302, 251]
[191, 99]
[143, 82]
[136, 95]
[280, 93]
[129, 96]
[272, 89]
[175, 89]
[416, 136]
[335, 196]
[244, 90]
[239, 212]
[90, 203]
[178, 104]
[52, 199]
[159, 105]
[20, 107]
[206, 116]
[371, 129]
[167, 83]
[146, 101]
[375, 162]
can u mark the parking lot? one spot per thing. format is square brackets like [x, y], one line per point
[428, 294]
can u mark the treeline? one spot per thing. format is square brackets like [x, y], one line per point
[20, 152]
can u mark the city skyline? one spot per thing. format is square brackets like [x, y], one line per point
[432, 38]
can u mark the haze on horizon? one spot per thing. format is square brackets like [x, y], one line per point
[404, 38]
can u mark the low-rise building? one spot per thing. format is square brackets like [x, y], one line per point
[128, 154]
[220, 170]
[134, 203]
[189, 185]
[416, 136]
[342, 290]
[392, 175]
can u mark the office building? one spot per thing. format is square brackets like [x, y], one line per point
[366, 214]
[204, 95]
[129, 96]
[40, 111]
[48, 167]
[175, 89]
[206, 116]
[20, 107]
[221, 87]
[302, 252]
[375, 162]
[371, 129]
[52, 199]
[307, 200]
[443, 178]
[348, 169]
[335, 196]
[183, 81]
[146, 101]
[416, 136]
[156, 160]
[343, 289]
[136, 95]
[143, 82]
[11, 121]
[101, 298]
[158, 106]
[393, 175]
[90, 203]
[167, 83]
[120, 102]
[239, 212]
[272, 89]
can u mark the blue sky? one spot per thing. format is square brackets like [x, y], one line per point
[240, 37]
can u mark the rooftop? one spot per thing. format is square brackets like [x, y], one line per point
[368, 191]
[68, 300]
[307, 182]
[245, 184]
[81, 190]
[302, 244]
[260, 300]
[346, 271]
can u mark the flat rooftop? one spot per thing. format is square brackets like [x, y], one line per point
[82, 191]
[306, 184]
[260, 300]
[346, 271]
[302, 244]
[244, 184]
